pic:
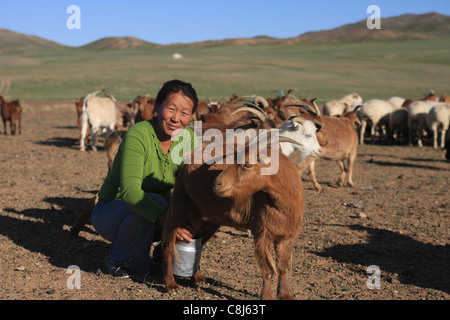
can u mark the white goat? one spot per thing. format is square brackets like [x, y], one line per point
[345, 104]
[100, 113]
[438, 119]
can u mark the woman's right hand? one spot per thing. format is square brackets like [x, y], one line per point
[186, 232]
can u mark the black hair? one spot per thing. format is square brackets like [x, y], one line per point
[175, 86]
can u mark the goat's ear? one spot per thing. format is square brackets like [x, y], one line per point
[318, 126]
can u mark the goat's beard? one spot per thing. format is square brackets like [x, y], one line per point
[242, 205]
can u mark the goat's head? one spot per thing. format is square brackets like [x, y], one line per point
[243, 178]
[303, 131]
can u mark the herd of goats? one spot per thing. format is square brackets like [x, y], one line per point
[210, 195]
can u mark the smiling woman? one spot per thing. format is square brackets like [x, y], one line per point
[134, 197]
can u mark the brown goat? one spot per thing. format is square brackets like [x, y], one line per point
[112, 143]
[342, 143]
[146, 110]
[444, 98]
[12, 112]
[270, 206]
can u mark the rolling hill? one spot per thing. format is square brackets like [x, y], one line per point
[12, 42]
[402, 27]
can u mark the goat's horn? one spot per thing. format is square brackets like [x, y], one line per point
[243, 98]
[302, 106]
[280, 138]
[261, 100]
[357, 107]
[253, 99]
[297, 119]
[255, 110]
[286, 139]
[316, 107]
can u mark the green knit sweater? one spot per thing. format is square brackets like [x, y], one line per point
[141, 167]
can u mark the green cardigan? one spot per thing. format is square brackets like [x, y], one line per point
[141, 167]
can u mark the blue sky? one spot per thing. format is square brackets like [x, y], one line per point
[166, 22]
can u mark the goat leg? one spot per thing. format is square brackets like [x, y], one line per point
[168, 246]
[265, 261]
[312, 170]
[341, 181]
[283, 251]
[208, 230]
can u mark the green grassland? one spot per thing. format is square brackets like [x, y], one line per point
[377, 69]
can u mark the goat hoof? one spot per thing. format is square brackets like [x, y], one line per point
[170, 287]
[286, 297]
[199, 278]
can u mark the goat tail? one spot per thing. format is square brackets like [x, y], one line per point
[86, 99]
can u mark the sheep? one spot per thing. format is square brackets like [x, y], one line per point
[12, 112]
[376, 112]
[398, 125]
[397, 102]
[345, 104]
[417, 115]
[438, 122]
[99, 112]
[447, 147]
[208, 196]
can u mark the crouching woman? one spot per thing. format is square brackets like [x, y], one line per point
[134, 197]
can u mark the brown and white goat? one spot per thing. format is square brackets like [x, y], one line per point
[208, 196]
[11, 112]
[341, 143]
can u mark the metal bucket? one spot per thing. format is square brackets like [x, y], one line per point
[188, 260]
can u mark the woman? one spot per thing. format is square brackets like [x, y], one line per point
[135, 195]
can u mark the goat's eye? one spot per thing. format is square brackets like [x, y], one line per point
[308, 135]
[247, 166]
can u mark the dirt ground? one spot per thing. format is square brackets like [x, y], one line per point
[396, 218]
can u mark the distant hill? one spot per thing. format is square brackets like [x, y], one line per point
[12, 42]
[404, 27]
[119, 43]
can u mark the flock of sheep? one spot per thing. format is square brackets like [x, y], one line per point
[398, 117]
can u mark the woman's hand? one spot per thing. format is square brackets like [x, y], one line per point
[186, 232]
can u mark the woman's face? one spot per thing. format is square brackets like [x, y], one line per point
[173, 114]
